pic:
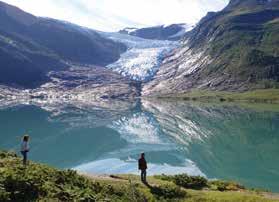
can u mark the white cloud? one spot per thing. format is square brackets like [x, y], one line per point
[112, 15]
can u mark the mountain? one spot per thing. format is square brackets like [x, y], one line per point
[236, 49]
[31, 46]
[172, 32]
[251, 4]
[77, 85]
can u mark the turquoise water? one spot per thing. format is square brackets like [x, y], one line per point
[229, 142]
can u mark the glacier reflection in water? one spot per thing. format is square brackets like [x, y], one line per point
[217, 141]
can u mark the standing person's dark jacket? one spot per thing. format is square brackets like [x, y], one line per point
[142, 164]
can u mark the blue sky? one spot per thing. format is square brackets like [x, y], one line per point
[112, 15]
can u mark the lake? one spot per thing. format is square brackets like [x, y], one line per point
[219, 141]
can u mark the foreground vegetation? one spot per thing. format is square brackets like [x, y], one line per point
[255, 96]
[38, 182]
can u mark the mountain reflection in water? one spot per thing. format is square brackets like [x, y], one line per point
[217, 141]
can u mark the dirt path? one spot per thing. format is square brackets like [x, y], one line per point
[271, 195]
[103, 177]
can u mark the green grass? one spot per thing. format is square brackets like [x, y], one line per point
[38, 182]
[255, 96]
[215, 196]
[232, 193]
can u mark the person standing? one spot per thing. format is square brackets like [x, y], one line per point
[25, 148]
[142, 167]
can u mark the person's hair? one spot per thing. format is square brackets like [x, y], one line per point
[142, 154]
[25, 138]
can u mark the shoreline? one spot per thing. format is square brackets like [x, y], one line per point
[39, 182]
[265, 96]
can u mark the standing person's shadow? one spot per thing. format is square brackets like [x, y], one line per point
[147, 184]
[153, 189]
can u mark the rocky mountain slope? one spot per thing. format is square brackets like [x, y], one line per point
[172, 32]
[34, 46]
[79, 85]
[235, 49]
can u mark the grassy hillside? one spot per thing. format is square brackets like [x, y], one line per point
[254, 96]
[38, 182]
[243, 43]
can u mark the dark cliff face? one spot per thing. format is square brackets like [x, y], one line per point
[32, 46]
[236, 49]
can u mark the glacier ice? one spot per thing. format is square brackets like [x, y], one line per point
[143, 58]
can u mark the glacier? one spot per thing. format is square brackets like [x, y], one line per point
[143, 58]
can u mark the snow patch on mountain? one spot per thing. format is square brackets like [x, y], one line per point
[143, 58]
[129, 30]
[185, 28]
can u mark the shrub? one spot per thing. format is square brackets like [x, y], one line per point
[224, 186]
[132, 193]
[4, 195]
[183, 180]
[37, 181]
[168, 191]
[20, 189]
[4, 154]
[190, 182]
[164, 177]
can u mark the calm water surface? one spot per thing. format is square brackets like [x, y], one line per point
[217, 141]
